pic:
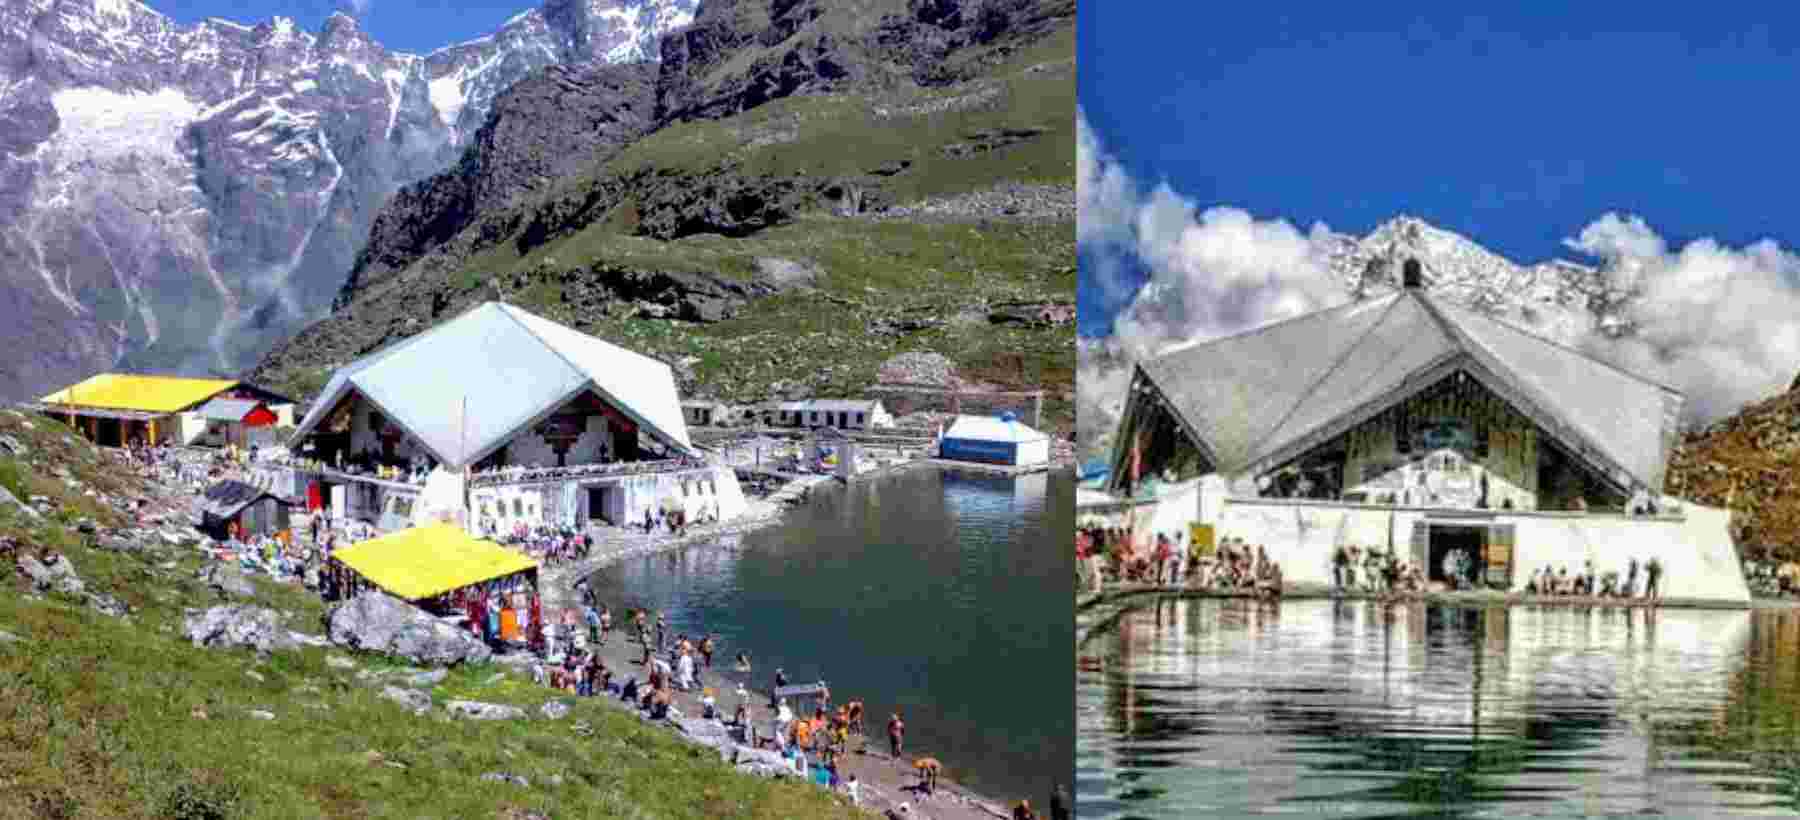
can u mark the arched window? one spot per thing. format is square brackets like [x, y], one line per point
[518, 508]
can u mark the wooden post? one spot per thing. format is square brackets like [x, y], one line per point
[1037, 410]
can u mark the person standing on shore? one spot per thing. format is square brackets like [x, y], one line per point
[706, 650]
[780, 681]
[605, 624]
[662, 631]
[896, 729]
[1652, 582]
[928, 768]
[852, 788]
[1059, 803]
[1630, 588]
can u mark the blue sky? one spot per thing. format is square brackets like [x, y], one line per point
[401, 25]
[1521, 129]
[1517, 128]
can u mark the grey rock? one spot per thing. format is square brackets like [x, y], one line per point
[431, 678]
[57, 574]
[477, 710]
[13, 447]
[228, 580]
[255, 676]
[116, 543]
[232, 625]
[760, 762]
[106, 604]
[87, 526]
[308, 640]
[705, 731]
[554, 709]
[503, 777]
[378, 622]
[8, 499]
[262, 714]
[339, 662]
[8, 637]
[413, 699]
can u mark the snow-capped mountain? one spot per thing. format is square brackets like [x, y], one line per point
[180, 197]
[1559, 299]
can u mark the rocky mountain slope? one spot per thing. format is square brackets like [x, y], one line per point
[1558, 299]
[1748, 462]
[800, 191]
[181, 197]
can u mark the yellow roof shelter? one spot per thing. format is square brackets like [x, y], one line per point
[155, 394]
[430, 560]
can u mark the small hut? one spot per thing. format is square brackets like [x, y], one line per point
[254, 510]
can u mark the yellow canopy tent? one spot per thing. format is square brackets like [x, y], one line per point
[123, 391]
[431, 560]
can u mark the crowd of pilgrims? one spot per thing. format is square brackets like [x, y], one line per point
[1111, 552]
[550, 546]
[1610, 584]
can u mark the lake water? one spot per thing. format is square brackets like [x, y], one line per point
[1214, 708]
[944, 595]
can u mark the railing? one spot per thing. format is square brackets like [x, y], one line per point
[529, 475]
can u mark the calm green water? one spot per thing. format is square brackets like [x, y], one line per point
[1351, 709]
[946, 596]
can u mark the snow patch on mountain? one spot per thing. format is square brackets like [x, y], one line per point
[99, 125]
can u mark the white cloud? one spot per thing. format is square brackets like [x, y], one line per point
[1720, 323]
[1211, 273]
[358, 7]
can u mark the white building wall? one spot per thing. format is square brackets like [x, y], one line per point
[1696, 552]
[627, 500]
[1029, 453]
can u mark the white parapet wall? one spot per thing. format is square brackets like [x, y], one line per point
[1694, 547]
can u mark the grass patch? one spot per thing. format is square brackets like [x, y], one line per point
[849, 135]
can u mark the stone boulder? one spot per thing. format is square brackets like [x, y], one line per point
[13, 447]
[119, 543]
[238, 625]
[378, 622]
[7, 499]
[554, 709]
[414, 700]
[504, 777]
[106, 604]
[431, 678]
[55, 574]
[761, 763]
[228, 580]
[477, 710]
[706, 732]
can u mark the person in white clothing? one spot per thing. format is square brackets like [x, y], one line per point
[684, 672]
[852, 788]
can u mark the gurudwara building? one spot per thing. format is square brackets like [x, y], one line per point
[507, 420]
[1409, 424]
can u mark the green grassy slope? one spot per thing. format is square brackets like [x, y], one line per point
[106, 718]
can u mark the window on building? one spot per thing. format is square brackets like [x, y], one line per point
[518, 508]
[859, 418]
[684, 489]
[712, 487]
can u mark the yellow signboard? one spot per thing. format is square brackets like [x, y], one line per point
[1201, 536]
